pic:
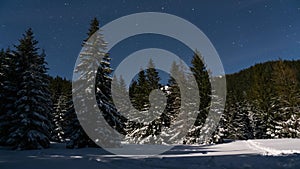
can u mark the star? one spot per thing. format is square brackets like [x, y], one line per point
[193, 9]
[162, 8]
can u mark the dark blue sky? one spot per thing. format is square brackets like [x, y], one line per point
[243, 32]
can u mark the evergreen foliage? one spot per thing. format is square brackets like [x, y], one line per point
[29, 125]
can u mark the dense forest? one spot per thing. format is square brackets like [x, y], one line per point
[262, 101]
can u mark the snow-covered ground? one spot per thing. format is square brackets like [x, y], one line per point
[280, 153]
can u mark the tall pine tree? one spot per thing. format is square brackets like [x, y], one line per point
[201, 75]
[91, 56]
[31, 129]
[8, 94]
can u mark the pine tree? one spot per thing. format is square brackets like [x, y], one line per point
[201, 75]
[258, 124]
[2, 71]
[174, 98]
[31, 129]
[103, 95]
[92, 56]
[152, 76]
[221, 131]
[141, 129]
[8, 94]
[60, 95]
[94, 27]
[285, 102]
[291, 127]
[58, 119]
[173, 121]
[3, 113]
[174, 90]
[141, 92]
[243, 121]
[59, 86]
[138, 92]
[74, 133]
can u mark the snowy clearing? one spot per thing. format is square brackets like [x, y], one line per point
[280, 153]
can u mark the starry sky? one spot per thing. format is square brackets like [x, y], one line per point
[243, 32]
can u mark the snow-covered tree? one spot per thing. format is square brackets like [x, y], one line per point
[242, 121]
[74, 134]
[8, 94]
[201, 75]
[291, 127]
[285, 101]
[141, 130]
[58, 119]
[175, 120]
[31, 129]
[93, 56]
[3, 113]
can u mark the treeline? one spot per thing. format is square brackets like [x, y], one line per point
[262, 101]
[175, 116]
[36, 108]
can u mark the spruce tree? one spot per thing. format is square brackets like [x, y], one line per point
[3, 113]
[33, 105]
[58, 119]
[60, 95]
[141, 92]
[94, 27]
[91, 56]
[8, 94]
[201, 75]
[103, 95]
[152, 76]
[142, 130]
[173, 105]
[74, 133]
[286, 100]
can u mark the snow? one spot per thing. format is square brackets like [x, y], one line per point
[280, 153]
[275, 147]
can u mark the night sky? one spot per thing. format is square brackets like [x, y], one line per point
[243, 32]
